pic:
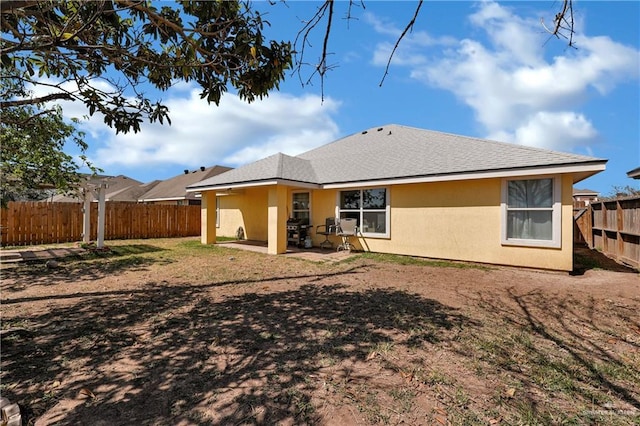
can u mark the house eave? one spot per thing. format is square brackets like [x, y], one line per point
[149, 200]
[580, 171]
[251, 184]
[634, 174]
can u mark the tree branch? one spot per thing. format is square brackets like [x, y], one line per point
[10, 6]
[559, 19]
[31, 101]
[322, 66]
[22, 123]
[406, 30]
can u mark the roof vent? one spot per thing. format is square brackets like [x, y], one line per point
[186, 171]
[202, 168]
[379, 128]
[364, 133]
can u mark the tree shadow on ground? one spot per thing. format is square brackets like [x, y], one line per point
[190, 357]
[89, 265]
[562, 349]
[585, 259]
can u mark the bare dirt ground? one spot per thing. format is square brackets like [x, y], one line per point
[169, 332]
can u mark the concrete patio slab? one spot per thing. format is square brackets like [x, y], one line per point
[315, 254]
[11, 256]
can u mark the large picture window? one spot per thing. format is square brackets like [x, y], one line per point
[370, 207]
[531, 212]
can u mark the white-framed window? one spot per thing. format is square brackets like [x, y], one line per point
[301, 206]
[370, 207]
[532, 212]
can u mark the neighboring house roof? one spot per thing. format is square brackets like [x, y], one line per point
[585, 193]
[132, 193]
[174, 189]
[635, 173]
[393, 152]
[115, 185]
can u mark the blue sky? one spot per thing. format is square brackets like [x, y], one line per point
[481, 69]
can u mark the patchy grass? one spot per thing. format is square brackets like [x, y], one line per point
[175, 332]
[410, 260]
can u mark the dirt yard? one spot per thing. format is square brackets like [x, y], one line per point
[169, 332]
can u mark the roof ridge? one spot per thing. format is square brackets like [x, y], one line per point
[455, 135]
[279, 165]
[400, 152]
[493, 141]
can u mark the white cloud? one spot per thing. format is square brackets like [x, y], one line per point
[552, 130]
[93, 126]
[506, 31]
[407, 51]
[556, 130]
[516, 93]
[202, 134]
[233, 133]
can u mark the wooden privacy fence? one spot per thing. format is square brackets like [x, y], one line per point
[612, 227]
[28, 223]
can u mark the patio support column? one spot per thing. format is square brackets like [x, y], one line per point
[208, 218]
[277, 232]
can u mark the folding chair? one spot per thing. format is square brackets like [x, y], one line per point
[346, 228]
[329, 228]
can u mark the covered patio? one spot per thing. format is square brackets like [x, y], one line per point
[314, 254]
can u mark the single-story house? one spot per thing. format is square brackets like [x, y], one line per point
[173, 190]
[585, 196]
[413, 192]
[118, 188]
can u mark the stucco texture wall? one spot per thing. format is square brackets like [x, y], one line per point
[247, 208]
[458, 220]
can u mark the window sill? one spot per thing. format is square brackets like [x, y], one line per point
[373, 235]
[532, 243]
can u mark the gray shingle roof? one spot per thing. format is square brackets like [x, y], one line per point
[585, 191]
[132, 193]
[393, 152]
[276, 166]
[175, 187]
[116, 185]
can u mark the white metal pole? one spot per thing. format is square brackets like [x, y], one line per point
[101, 214]
[86, 216]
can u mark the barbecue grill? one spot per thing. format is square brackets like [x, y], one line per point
[297, 231]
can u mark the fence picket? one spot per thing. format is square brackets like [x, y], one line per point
[30, 223]
[613, 227]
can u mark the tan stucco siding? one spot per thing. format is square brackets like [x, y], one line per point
[456, 220]
[247, 209]
[451, 220]
[208, 218]
[460, 220]
[323, 205]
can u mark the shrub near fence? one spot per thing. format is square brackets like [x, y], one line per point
[28, 223]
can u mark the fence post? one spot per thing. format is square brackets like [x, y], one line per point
[25, 223]
[589, 230]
